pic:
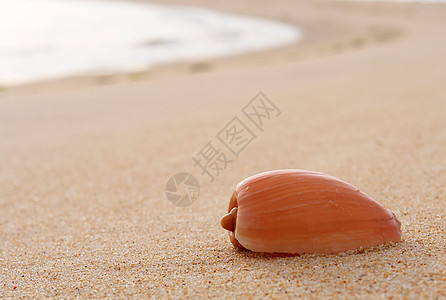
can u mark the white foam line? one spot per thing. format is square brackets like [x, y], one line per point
[43, 39]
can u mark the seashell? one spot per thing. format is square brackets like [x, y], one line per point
[298, 211]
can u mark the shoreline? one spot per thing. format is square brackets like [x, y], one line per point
[317, 40]
[93, 51]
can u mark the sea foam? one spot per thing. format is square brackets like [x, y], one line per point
[42, 39]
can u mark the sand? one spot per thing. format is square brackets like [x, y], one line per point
[84, 162]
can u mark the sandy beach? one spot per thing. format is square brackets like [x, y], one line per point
[84, 162]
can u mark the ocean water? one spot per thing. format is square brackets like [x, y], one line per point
[41, 39]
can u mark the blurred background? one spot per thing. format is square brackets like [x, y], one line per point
[47, 39]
